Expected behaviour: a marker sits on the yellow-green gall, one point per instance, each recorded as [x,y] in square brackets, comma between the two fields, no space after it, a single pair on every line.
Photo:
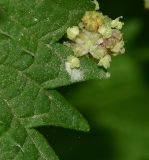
[73,61]
[92,20]
[98,52]
[96,5]
[97,36]
[72,32]
[105,61]
[117,23]
[119,47]
[80,50]
[105,31]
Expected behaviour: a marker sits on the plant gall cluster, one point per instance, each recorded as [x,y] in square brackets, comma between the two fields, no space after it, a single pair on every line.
[97,36]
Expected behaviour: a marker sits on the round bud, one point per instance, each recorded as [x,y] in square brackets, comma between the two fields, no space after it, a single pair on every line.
[73,32]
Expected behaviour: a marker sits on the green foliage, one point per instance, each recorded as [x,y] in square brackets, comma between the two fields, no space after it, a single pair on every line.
[31,62]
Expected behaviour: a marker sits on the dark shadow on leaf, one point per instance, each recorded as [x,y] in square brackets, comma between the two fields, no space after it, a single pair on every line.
[63,39]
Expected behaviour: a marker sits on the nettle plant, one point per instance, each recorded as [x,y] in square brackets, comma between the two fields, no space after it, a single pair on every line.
[45,44]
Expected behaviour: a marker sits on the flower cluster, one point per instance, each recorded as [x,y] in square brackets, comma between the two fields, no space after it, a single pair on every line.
[98,36]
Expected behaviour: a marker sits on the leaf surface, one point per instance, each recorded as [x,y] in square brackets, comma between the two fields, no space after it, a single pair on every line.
[32,61]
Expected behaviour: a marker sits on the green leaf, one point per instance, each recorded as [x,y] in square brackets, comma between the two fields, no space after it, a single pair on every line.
[32,61]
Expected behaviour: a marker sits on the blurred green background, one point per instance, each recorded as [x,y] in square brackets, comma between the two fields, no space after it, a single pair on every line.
[117,109]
